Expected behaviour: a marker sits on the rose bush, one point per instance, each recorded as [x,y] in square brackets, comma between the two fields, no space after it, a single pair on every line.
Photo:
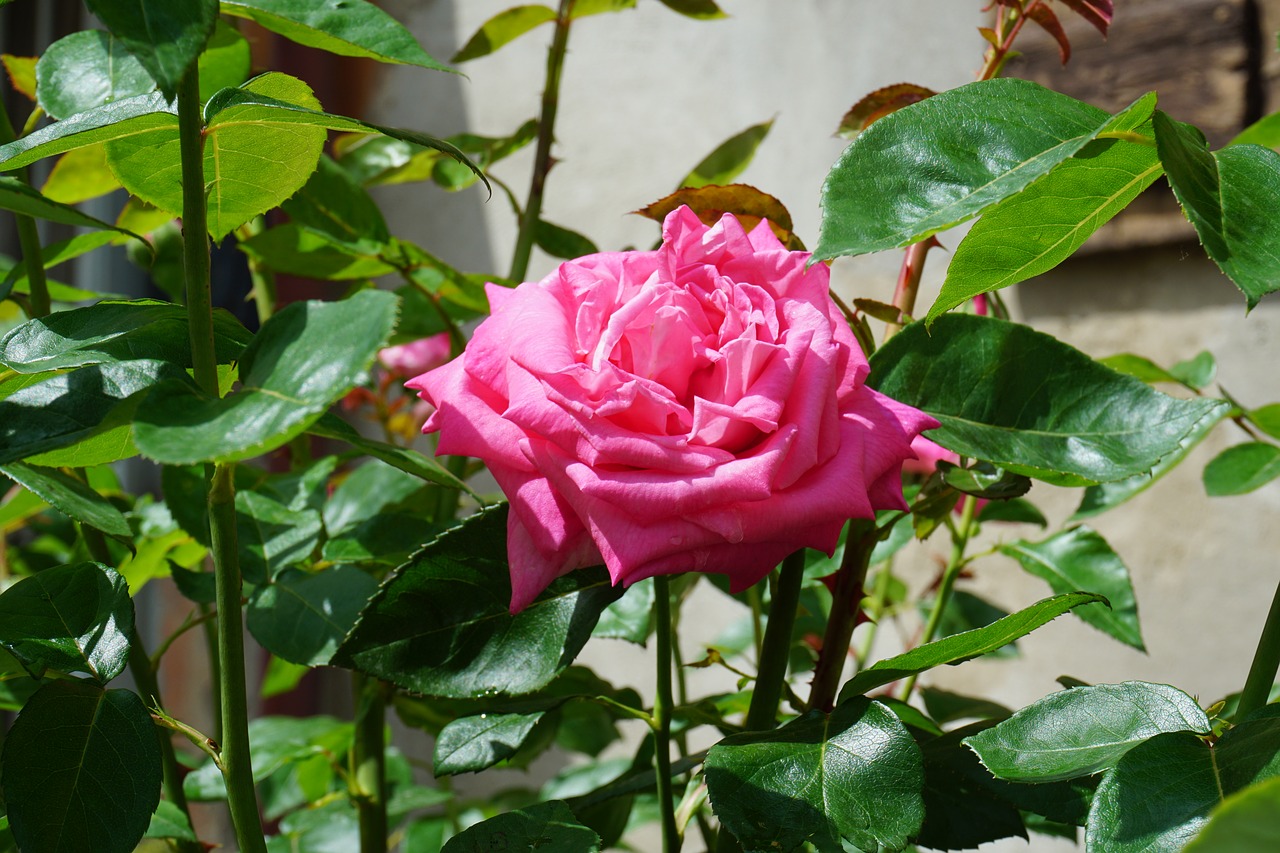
[700,407]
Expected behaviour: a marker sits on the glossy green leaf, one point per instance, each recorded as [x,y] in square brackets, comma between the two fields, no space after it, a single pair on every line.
[293,249]
[1248,821]
[1084,730]
[942,160]
[1080,559]
[962,647]
[542,826]
[70,496]
[404,458]
[629,618]
[1229,196]
[1104,496]
[365,493]
[81,770]
[303,358]
[344,27]
[700,9]
[1241,469]
[560,242]
[1031,404]
[303,616]
[115,332]
[166,38]
[375,160]
[17,197]
[122,119]
[502,28]
[270,537]
[442,626]
[79,175]
[729,158]
[69,619]
[1067,205]
[1162,792]
[72,407]
[88,69]
[854,774]
[469,744]
[251,162]
[333,203]
[226,60]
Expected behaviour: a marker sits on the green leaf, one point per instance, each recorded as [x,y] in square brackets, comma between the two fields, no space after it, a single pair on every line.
[270,537]
[1015,510]
[442,626]
[1267,419]
[303,358]
[333,203]
[583,8]
[1265,132]
[1104,496]
[502,28]
[166,38]
[385,541]
[962,647]
[1229,196]
[854,774]
[947,707]
[942,160]
[71,407]
[115,332]
[1241,469]
[366,493]
[729,158]
[20,198]
[251,163]
[984,480]
[293,249]
[79,175]
[81,770]
[1162,792]
[142,114]
[16,277]
[1084,730]
[69,619]
[469,744]
[344,27]
[967,612]
[629,618]
[404,458]
[560,242]
[1248,821]
[1029,403]
[376,160]
[1197,372]
[276,743]
[961,808]
[71,497]
[1067,205]
[88,69]
[226,60]
[542,826]
[303,616]
[700,9]
[169,821]
[1080,559]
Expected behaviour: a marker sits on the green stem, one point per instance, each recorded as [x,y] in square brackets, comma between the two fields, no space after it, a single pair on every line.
[1266,662]
[662,715]
[880,598]
[845,604]
[144,677]
[546,135]
[368,780]
[236,765]
[757,621]
[762,714]
[195,234]
[959,541]
[28,237]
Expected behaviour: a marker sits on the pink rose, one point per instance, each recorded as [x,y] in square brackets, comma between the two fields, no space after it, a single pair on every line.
[928,454]
[695,408]
[416,357]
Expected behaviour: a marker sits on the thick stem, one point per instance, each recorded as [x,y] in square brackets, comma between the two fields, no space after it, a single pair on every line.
[28,238]
[662,714]
[144,677]
[546,135]
[845,604]
[959,542]
[236,765]
[762,714]
[369,762]
[195,234]
[1266,662]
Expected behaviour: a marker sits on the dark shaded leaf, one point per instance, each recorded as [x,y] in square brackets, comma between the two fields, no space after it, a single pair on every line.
[166,38]
[303,616]
[470,744]
[270,537]
[542,826]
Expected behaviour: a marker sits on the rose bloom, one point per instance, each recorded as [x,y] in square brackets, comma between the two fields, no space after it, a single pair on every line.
[416,357]
[700,407]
